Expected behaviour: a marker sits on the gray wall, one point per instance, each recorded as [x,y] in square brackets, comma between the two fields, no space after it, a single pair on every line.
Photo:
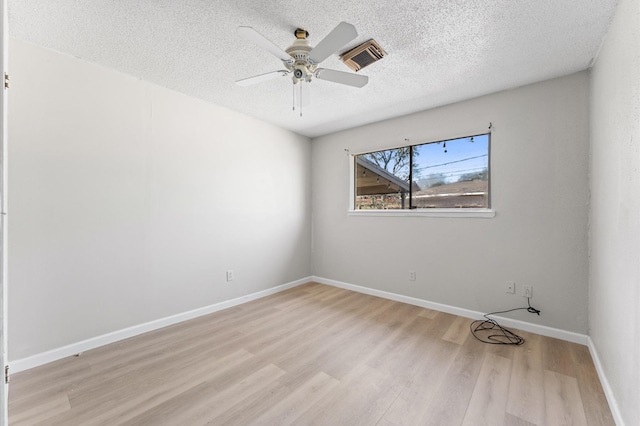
[614,308]
[128,202]
[539,158]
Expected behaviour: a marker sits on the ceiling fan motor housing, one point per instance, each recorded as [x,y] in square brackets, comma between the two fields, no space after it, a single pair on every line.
[302,69]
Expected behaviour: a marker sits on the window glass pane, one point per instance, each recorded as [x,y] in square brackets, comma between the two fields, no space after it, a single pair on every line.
[382,179]
[451,174]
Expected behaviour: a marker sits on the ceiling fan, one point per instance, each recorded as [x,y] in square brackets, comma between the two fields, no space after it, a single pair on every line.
[301,61]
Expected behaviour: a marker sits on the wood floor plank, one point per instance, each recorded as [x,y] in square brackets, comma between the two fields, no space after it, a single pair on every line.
[330,346]
[315,354]
[557,357]
[139,393]
[128,395]
[505,351]
[413,402]
[60,376]
[489,399]
[451,399]
[407,346]
[593,397]
[526,387]
[33,412]
[361,399]
[204,402]
[511,420]
[252,406]
[563,403]
[195,355]
[299,400]
[458,331]
[428,313]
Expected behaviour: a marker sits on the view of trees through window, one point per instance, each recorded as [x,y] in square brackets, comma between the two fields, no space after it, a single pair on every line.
[444,174]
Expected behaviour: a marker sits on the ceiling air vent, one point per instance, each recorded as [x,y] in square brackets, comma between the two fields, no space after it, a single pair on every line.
[363,55]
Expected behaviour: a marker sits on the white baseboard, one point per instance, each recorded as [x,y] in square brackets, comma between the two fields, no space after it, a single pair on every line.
[105,339]
[606,387]
[508,322]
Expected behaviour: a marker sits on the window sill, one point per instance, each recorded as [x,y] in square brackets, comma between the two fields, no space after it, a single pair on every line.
[478,213]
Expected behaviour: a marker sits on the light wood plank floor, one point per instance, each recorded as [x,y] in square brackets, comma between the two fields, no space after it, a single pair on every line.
[321,355]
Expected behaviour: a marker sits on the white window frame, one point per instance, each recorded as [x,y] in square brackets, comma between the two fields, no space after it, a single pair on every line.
[432,212]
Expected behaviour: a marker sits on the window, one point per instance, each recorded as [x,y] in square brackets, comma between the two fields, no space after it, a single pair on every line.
[448,174]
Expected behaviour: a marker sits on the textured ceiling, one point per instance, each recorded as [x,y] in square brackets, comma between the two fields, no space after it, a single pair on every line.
[439,51]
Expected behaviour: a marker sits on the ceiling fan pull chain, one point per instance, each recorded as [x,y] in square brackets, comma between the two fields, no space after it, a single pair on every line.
[293,100]
[300,99]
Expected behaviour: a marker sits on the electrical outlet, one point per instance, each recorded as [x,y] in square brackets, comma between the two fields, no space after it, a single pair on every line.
[412,275]
[230,275]
[510,287]
[527,291]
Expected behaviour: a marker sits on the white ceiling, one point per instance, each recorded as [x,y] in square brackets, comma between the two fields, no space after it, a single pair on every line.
[439,51]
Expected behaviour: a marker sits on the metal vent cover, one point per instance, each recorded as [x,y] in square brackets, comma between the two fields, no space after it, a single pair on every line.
[363,55]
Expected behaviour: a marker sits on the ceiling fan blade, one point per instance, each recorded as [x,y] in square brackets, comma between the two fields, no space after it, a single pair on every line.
[350,79]
[338,37]
[262,77]
[252,35]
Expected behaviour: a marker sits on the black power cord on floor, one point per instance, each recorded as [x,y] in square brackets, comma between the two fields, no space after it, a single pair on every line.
[494,333]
